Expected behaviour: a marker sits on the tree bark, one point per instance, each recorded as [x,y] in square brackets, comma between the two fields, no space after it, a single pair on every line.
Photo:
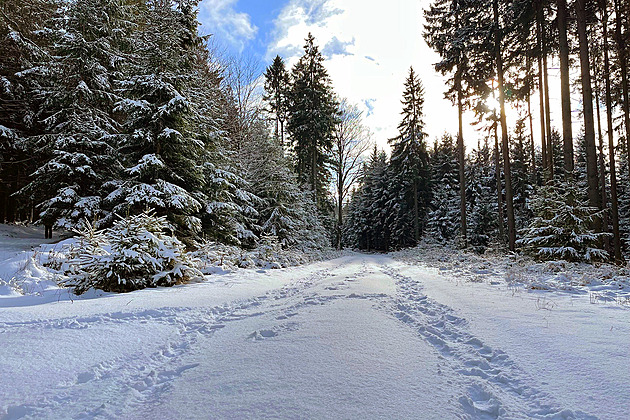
[314,174]
[461,158]
[339,214]
[416,222]
[509,199]
[614,204]
[529,115]
[567,132]
[550,168]
[587,100]
[602,173]
[622,54]
[541,95]
[497,166]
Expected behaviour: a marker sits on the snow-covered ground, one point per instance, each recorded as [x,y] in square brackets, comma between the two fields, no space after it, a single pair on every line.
[361,336]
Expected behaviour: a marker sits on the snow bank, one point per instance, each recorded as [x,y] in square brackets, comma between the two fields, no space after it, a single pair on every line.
[32,266]
[603,282]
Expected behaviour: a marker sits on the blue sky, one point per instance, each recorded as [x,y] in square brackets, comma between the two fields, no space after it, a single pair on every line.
[369,46]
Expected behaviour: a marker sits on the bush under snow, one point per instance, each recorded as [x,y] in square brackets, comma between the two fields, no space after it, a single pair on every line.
[134,253]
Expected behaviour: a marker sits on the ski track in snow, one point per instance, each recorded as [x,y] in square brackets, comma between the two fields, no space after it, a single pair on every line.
[496,387]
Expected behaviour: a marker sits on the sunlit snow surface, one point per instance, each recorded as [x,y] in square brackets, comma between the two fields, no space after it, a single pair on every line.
[363,336]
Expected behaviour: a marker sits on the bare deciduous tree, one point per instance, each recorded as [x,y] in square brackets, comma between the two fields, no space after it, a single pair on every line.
[351,140]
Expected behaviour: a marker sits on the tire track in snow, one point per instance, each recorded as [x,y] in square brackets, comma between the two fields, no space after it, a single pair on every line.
[498,387]
[134,380]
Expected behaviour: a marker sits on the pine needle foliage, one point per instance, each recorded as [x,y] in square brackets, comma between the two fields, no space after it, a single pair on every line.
[561,227]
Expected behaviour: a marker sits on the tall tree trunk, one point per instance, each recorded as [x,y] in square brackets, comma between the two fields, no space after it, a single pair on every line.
[529,115]
[602,172]
[497,167]
[509,198]
[567,133]
[550,168]
[623,63]
[541,94]
[340,182]
[587,100]
[339,215]
[461,158]
[416,221]
[614,204]
[314,174]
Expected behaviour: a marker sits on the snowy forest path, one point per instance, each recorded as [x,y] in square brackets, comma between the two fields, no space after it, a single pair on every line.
[354,337]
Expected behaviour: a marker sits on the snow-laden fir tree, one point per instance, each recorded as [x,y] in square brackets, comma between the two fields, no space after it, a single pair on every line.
[135,253]
[409,163]
[23,44]
[77,83]
[313,114]
[444,217]
[172,145]
[562,226]
[521,176]
[283,209]
[481,197]
[369,217]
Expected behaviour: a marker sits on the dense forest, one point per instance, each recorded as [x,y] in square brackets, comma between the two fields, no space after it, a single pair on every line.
[567,199]
[113,107]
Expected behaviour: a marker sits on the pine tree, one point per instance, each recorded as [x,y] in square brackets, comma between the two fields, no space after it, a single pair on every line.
[480,196]
[455,31]
[23,43]
[135,253]
[276,91]
[443,219]
[409,161]
[172,127]
[313,113]
[371,211]
[587,96]
[561,227]
[78,85]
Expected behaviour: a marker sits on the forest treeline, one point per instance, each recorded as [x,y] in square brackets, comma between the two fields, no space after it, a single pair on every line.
[113,107]
[567,198]
[110,107]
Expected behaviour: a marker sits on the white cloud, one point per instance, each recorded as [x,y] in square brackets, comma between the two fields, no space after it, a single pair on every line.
[219,17]
[370,47]
[374,45]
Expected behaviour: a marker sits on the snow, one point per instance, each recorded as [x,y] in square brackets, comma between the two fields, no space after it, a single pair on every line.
[360,336]
[20,270]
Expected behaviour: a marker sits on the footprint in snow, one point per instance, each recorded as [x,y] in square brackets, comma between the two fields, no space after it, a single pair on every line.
[262,334]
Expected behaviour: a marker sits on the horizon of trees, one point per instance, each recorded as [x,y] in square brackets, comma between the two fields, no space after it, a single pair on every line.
[120,106]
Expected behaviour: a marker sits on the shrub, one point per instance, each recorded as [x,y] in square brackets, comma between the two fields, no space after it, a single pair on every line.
[134,253]
[561,228]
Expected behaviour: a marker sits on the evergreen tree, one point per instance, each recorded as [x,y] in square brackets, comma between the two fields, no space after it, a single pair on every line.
[173,141]
[561,227]
[480,196]
[276,91]
[409,162]
[313,113]
[78,86]
[443,219]
[23,44]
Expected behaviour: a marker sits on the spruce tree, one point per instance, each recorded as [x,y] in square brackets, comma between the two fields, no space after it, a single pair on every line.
[313,113]
[172,127]
[78,85]
[409,160]
[276,91]
[443,219]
